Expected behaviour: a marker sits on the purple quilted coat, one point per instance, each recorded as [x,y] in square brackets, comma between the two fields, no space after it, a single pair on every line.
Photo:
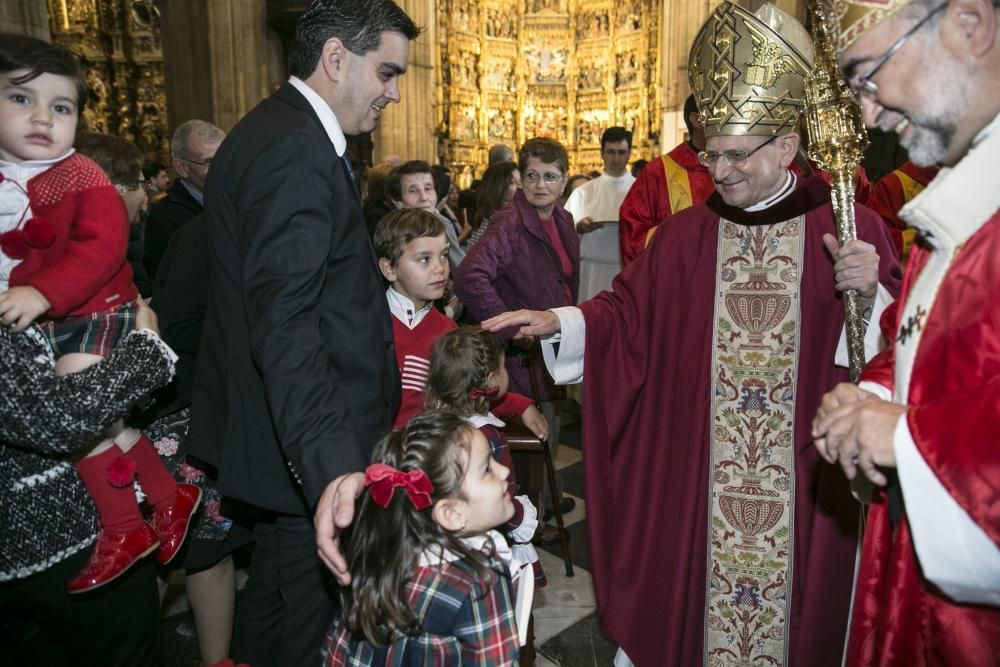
[514,266]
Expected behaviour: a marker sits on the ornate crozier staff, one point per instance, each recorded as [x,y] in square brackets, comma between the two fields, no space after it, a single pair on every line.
[837,141]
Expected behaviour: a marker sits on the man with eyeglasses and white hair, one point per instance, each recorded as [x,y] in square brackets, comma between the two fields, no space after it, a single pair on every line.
[922,424]
[191,151]
[718,535]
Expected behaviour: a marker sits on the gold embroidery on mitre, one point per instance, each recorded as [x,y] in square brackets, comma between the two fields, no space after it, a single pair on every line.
[747,71]
[769,61]
[856,17]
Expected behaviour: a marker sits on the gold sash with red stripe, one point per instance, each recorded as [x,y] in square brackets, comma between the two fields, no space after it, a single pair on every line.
[911,188]
[678,184]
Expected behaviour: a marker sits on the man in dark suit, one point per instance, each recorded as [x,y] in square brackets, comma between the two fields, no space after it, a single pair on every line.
[191,148]
[297,379]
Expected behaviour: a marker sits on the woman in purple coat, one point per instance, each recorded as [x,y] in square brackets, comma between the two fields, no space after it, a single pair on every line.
[529,257]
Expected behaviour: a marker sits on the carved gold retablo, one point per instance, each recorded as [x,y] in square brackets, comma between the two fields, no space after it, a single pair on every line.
[747,69]
[858,16]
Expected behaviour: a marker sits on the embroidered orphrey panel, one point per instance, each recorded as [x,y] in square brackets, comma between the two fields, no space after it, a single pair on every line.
[752,471]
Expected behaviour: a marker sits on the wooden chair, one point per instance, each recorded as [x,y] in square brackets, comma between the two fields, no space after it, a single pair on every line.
[522,440]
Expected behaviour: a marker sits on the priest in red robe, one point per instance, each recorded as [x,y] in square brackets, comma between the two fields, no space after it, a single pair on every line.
[923,424]
[666,186]
[891,193]
[718,535]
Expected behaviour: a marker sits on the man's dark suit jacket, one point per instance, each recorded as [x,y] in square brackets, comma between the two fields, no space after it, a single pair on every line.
[166,217]
[296,378]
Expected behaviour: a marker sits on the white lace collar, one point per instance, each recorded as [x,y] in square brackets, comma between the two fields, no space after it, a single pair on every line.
[436,556]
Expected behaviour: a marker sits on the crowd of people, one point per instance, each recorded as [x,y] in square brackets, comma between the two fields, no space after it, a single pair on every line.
[325,379]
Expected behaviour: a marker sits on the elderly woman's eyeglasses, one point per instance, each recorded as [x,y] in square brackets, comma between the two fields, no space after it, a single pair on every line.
[734,158]
[862,85]
[549,177]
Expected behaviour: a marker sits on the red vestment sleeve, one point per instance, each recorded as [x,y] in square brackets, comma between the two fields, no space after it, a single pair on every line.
[957,437]
[954,392]
[646,205]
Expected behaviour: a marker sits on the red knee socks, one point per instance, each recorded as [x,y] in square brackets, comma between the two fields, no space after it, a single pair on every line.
[116,505]
[156,482]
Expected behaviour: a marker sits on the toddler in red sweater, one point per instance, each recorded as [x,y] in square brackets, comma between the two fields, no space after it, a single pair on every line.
[63,238]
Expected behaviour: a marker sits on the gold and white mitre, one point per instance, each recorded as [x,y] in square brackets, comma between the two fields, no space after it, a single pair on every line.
[747,71]
[856,17]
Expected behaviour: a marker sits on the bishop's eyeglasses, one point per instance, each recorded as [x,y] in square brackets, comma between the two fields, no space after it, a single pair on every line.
[734,158]
[862,85]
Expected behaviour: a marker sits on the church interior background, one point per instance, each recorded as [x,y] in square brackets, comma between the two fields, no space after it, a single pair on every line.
[483,72]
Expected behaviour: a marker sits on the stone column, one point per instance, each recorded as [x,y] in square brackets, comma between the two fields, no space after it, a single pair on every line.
[407,129]
[26,17]
[681,21]
[216,59]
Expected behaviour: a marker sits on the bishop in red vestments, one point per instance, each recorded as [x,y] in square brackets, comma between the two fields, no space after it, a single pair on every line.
[923,423]
[718,536]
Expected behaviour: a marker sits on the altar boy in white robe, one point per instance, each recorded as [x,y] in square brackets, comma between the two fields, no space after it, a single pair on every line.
[595,204]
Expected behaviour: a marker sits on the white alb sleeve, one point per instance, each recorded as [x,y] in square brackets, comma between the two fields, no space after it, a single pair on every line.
[874,341]
[567,366]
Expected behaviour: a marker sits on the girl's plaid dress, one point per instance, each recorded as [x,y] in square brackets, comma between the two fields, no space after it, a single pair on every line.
[464,621]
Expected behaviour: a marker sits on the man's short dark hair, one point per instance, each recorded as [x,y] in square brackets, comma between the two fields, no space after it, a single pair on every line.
[359,24]
[19,52]
[547,150]
[690,107]
[154,167]
[401,226]
[395,185]
[613,135]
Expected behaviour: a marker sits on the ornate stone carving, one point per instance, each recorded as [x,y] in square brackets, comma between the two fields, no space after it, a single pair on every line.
[119,44]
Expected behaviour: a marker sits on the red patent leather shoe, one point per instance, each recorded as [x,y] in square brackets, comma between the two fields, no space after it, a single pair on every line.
[171,521]
[112,556]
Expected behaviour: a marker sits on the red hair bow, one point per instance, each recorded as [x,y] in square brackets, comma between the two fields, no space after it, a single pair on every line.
[382,481]
[488,392]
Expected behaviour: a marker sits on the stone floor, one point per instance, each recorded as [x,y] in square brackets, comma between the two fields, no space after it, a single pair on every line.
[566,628]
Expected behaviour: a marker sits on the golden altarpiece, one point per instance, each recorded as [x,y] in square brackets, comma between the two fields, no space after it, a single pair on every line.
[564,69]
[490,71]
[119,43]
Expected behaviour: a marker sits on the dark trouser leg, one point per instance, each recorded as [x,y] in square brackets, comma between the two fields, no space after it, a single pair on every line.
[287,605]
[256,635]
[308,590]
[42,624]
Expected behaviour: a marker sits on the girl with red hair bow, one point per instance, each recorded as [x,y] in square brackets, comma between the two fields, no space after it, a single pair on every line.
[429,578]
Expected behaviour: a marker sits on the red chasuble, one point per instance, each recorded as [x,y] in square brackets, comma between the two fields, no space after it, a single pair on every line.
[650,396]
[900,619]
